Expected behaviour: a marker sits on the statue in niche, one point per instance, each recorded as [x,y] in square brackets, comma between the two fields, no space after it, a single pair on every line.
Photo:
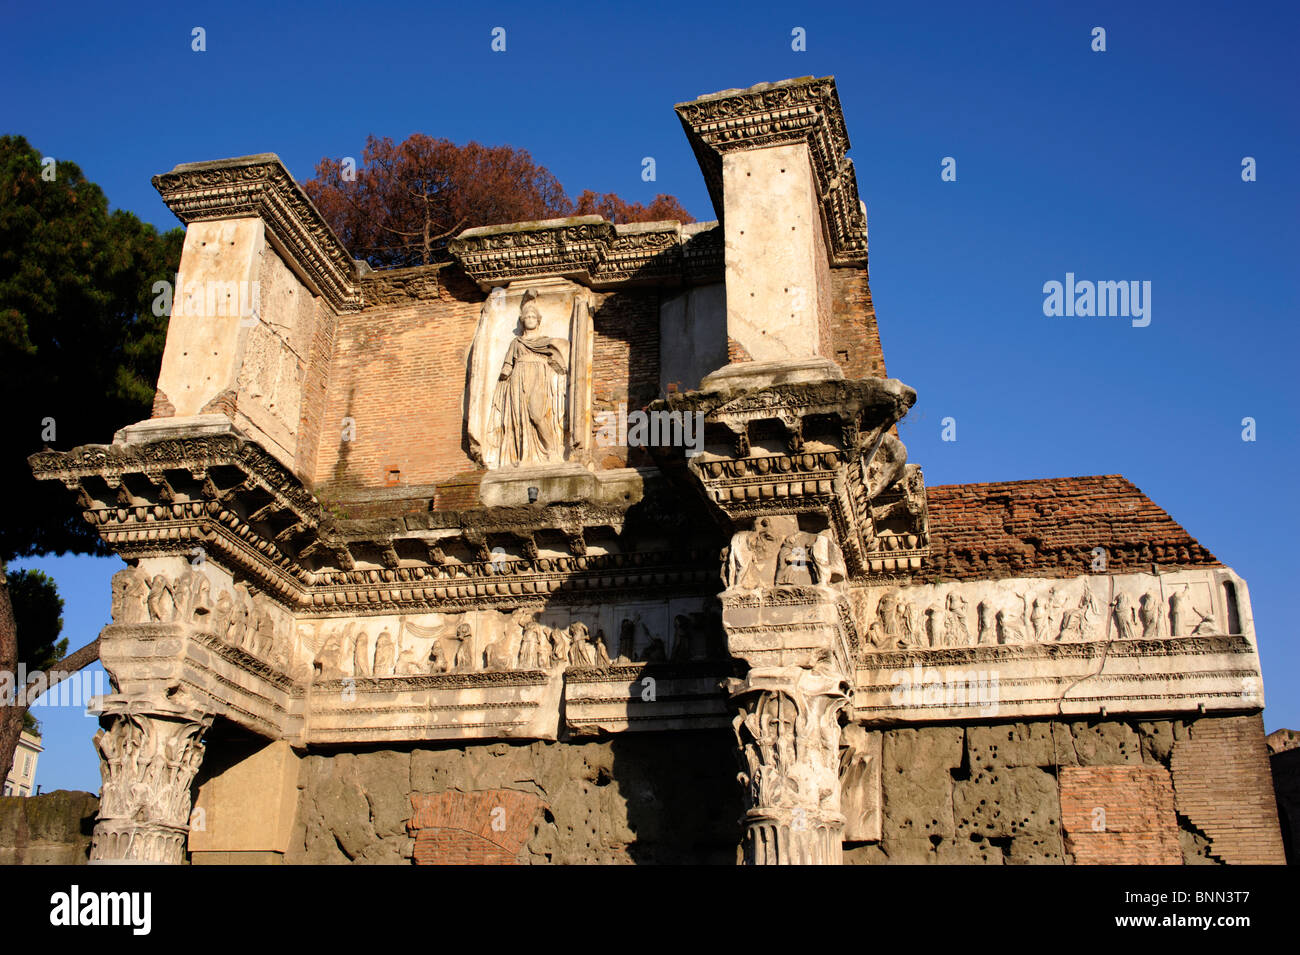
[1149,614]
[385,653]
[161,600]
[526,426]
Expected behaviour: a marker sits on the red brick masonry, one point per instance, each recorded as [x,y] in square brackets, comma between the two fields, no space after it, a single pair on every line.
[486,827]
[1049,528]
[1119,815]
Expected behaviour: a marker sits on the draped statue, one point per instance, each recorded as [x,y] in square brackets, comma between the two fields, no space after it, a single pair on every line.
[528,394]
[526,422]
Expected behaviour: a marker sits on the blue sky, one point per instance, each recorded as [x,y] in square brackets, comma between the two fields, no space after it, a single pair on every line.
[1122,165]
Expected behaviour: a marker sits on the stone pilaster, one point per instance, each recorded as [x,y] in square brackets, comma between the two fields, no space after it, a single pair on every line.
[148,759]
[785,616]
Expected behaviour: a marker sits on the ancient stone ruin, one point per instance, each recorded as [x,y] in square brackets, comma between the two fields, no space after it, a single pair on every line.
[598,543]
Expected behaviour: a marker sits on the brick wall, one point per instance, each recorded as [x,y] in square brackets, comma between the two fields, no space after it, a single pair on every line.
[486,827]
[315,391]
[1050,527]
[1223,786]
[1120,815]
[399,372]
[855,337]
[625,362]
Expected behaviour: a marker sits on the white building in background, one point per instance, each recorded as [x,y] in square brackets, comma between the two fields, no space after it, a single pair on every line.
[21,780]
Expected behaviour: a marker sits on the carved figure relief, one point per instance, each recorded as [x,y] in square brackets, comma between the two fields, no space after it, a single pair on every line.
[776,553]
[1028,611]
[1151,615]
[236,617]
[361,655]
[385,654]
[130,596]
[955,631]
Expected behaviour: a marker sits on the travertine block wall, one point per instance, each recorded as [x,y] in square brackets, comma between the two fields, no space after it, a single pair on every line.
[994,793]
[205,333]
[646,798]
[1002,793]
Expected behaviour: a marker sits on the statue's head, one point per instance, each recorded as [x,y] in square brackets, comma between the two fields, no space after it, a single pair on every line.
[530,316]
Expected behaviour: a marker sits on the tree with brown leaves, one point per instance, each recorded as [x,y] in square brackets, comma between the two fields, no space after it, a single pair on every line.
[406,200]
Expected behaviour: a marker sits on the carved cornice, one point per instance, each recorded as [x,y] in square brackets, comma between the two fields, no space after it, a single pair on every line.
[260,186]
[805,110]
[226,497]
[842,462]
[591,251]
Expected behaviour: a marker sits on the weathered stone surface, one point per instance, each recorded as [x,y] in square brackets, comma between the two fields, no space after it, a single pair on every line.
[1106,744]
[1157,739]
[645,798]
[930,746]
[1018,744]
[49,829]
[1003,802]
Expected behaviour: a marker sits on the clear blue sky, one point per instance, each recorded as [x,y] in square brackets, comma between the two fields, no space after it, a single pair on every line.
[1117,165]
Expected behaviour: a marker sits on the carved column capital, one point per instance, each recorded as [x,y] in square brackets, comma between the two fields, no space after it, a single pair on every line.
[788,730]
[149,754]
